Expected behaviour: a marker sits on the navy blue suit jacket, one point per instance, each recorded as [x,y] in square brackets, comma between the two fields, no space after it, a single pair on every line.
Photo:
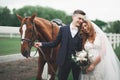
[62,38]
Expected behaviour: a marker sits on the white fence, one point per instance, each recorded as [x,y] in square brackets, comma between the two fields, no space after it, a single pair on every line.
[114,39]
[11,32]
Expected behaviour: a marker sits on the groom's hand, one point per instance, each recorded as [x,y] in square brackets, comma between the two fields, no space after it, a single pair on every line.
[37,44]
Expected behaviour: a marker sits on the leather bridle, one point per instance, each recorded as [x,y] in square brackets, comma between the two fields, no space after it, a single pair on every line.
[34,34]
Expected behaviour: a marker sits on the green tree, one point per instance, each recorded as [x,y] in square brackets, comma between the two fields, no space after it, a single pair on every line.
[43,12]
[113,27]
[100,23]
[5,16]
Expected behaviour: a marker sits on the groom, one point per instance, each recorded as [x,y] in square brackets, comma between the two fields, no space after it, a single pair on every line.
[70,41]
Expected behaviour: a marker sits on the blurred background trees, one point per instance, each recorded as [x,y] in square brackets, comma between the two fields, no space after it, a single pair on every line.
[8,17]
[113,27]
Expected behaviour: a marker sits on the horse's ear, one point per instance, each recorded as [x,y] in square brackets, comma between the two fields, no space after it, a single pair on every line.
[19,17]
[32,17]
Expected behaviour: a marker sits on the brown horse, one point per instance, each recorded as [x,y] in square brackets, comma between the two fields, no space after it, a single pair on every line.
[34,28]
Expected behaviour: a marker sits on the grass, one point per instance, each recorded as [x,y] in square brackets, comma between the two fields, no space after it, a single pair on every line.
[9,46]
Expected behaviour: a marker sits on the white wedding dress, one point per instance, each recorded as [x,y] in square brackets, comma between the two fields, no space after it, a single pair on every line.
[109,66]
[94,49]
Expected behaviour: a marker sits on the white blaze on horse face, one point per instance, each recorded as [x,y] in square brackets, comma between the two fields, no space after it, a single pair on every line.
[23,34]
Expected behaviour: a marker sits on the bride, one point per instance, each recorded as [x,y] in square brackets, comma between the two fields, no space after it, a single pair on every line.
[104,63]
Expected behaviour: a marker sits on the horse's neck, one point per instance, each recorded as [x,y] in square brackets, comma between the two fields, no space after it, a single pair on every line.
[46,30]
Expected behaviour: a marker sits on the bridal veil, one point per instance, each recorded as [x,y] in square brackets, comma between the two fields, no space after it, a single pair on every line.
[108,57]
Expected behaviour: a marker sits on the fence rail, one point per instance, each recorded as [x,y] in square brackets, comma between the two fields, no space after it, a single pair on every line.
[10,35]
[9,31]
[114,39]
[13,32]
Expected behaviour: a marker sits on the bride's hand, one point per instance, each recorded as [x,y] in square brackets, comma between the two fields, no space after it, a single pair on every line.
[90,68]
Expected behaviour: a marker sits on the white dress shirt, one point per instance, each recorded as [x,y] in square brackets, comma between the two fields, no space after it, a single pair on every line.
[73,30]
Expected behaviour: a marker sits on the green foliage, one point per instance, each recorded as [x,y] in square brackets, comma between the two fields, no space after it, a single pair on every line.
[117,51]
[9,18]
[46,12]
[4,16]
[100,23]
[113,27]
[43,12]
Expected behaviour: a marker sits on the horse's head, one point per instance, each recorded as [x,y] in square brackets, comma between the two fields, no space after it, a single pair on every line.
[28,34]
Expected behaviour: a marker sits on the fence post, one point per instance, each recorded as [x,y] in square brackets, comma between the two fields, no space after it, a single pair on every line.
[118,39]
[11,35]
[114,39]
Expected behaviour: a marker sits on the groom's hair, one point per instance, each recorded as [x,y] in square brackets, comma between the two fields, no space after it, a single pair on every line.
[79,12]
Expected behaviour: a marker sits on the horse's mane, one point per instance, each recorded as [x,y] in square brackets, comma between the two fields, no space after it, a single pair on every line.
[46,28]
[44,22]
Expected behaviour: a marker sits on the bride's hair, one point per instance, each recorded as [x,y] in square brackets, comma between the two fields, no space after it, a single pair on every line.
[91,33]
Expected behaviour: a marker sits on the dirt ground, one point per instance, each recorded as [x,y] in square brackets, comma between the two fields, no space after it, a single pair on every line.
[18,70]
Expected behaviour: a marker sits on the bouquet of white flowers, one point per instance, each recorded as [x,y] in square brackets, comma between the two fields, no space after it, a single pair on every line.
[82,59]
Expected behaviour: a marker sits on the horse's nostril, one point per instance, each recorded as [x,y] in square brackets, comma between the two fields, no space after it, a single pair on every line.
[25,54]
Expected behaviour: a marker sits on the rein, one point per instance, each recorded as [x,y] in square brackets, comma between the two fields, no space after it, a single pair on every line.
[46,59]
[43,54]
[52,40]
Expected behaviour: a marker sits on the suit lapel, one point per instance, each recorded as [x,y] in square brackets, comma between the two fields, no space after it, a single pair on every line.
[67,30]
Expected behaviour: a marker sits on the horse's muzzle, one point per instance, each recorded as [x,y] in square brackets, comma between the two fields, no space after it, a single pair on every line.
[26,54]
